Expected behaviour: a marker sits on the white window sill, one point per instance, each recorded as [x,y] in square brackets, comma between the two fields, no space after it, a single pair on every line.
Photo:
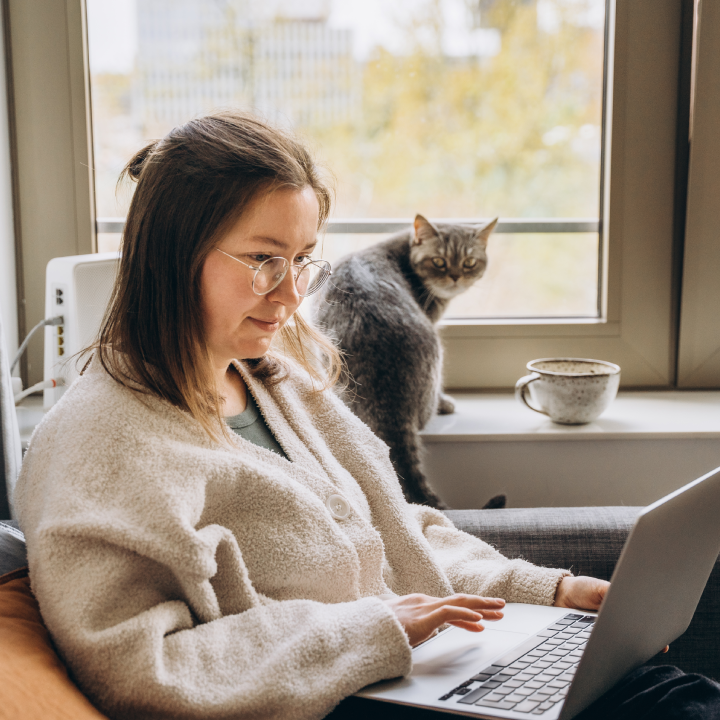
[644,446]
[655,442]
[633,416]
[498,417]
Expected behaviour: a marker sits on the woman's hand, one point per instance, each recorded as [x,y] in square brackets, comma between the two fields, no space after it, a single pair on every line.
[421,615]
[583,593]
[580,593]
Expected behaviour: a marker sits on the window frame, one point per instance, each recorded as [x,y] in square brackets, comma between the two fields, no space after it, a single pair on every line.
[48,92]
[699,332]
[636,328]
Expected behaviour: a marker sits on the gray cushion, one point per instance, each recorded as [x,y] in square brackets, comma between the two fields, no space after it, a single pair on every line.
[585,540]
[12,547]
[588,541]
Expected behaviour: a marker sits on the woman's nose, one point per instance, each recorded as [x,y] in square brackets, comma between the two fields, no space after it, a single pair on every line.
[286,292]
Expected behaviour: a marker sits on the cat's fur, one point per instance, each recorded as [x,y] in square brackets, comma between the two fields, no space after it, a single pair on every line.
[381,305]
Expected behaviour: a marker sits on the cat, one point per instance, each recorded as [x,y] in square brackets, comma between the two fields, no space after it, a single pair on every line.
[381,307]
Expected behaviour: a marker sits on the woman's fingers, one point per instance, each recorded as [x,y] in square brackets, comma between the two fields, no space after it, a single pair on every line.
[470,627]
[452,614]
[422,615]
[474,602]
[456,607]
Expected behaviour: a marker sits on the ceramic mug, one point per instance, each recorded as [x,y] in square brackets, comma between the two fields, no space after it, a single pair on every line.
[571,391]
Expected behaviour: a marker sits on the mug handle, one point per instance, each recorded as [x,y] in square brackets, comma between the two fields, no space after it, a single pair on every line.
[521,387]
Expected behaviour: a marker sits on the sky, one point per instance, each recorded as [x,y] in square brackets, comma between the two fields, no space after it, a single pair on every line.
[112,35]
[113,32]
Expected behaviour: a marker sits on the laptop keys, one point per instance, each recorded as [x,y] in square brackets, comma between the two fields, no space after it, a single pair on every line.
[533,677]
[498,705]
[547,633]
[526,706]
[473,697]
[487,673]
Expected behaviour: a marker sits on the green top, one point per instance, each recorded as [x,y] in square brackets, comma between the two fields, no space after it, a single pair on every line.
[251,425]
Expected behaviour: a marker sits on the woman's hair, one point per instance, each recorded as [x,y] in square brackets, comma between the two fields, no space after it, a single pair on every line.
[192,186]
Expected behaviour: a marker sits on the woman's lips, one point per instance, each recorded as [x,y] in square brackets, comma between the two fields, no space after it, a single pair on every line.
[267,325]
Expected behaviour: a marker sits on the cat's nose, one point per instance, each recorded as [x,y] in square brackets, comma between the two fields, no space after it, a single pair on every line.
[455,276]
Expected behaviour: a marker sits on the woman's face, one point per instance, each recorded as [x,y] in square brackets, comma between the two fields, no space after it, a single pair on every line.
[238,323]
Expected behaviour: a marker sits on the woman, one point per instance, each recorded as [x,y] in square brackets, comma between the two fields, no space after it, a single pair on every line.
[194,557]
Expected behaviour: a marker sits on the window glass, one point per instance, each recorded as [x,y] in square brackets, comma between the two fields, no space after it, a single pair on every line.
[449,108]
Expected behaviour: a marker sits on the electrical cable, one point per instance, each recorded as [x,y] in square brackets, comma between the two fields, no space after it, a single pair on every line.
[57,320]
[42,385]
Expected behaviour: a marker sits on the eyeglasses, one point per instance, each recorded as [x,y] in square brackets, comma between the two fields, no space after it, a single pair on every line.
[309,277]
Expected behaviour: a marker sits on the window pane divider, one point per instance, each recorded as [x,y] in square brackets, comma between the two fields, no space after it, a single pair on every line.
[389,225]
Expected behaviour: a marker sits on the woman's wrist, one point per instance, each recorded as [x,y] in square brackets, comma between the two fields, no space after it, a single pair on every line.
[561,590]
[580,593]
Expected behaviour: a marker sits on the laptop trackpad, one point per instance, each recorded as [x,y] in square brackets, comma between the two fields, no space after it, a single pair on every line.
[455,655]
[455,651]
[444,662]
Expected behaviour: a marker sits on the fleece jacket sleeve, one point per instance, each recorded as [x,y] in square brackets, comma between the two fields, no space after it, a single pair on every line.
[152,606]
[125,622]
[474,567]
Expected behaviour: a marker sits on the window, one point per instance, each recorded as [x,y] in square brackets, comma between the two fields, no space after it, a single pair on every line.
[452,108]
[635,323]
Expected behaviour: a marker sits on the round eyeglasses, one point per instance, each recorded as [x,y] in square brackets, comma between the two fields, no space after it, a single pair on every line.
[309,277]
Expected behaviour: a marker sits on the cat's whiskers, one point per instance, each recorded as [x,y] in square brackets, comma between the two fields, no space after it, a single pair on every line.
[430,298]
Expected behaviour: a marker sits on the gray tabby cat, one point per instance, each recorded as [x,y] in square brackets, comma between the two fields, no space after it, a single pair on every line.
[381,305]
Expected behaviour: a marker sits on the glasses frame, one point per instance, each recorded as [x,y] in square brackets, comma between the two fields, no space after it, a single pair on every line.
[286,266]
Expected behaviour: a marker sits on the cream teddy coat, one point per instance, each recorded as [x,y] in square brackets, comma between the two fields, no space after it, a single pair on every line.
[181,578]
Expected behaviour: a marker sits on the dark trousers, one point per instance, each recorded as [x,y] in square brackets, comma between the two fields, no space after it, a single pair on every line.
[658,693]
[648,693]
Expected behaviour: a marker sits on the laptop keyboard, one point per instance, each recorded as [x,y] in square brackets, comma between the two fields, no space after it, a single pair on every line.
[533,677]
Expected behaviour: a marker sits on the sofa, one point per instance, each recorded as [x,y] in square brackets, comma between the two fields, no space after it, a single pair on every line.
[586,540]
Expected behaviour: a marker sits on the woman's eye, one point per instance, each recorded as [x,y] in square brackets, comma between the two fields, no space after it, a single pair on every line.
[259,257]
[470,262]
[439,262]
[302,259]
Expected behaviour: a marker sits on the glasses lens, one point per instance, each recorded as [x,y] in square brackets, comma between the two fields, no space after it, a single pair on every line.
[311,277]
[270,275]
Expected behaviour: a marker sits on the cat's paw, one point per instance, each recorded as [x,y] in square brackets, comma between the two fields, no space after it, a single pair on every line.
[446,405]
[497,502]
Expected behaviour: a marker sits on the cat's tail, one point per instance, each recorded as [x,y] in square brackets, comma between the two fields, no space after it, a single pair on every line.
[406,456]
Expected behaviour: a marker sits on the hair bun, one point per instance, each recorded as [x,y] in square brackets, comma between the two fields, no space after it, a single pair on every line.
[135,167]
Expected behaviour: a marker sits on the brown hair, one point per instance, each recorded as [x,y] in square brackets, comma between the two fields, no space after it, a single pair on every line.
[191,187]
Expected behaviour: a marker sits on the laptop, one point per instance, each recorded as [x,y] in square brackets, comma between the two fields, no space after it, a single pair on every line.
[551,663]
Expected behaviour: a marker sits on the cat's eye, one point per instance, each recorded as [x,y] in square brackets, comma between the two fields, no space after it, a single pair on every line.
[439,262]
[470,263]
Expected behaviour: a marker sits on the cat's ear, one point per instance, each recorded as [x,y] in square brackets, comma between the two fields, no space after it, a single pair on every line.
[424,229]
[483,232]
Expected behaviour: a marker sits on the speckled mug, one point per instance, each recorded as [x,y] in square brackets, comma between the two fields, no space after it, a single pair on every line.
[571,391]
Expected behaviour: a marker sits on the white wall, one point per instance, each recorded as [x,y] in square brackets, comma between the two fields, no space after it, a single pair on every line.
[8,293]
[572,473]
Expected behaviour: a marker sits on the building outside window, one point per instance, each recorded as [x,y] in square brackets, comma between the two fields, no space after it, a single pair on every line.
[456,109]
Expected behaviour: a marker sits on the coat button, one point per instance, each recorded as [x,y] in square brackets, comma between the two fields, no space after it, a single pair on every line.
[338,506]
